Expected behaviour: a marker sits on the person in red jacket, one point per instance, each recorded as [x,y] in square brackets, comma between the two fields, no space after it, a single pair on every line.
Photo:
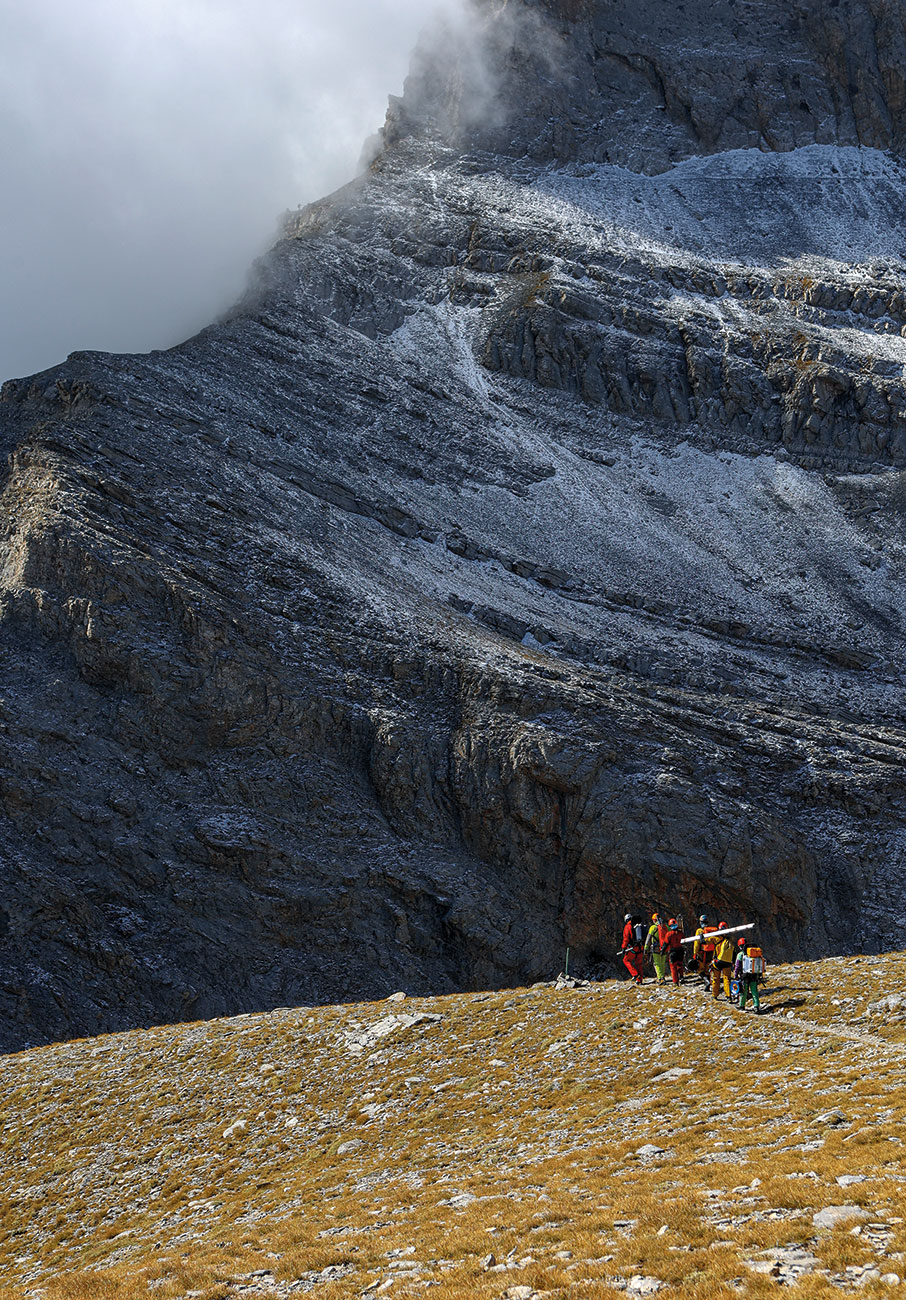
[632,949]
[674,946]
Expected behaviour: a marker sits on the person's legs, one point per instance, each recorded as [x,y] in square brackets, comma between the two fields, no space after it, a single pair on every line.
[720,974]
[660,966]
[743,993]
[753,984]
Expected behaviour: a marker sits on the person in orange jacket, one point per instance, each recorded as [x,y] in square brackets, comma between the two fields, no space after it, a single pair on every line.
[703,948]
[632,950]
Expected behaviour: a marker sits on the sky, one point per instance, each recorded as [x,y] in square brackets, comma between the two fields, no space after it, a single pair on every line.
[149,147]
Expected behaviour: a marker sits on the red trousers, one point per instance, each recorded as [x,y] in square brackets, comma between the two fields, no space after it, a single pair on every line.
[676,970]
[633,963]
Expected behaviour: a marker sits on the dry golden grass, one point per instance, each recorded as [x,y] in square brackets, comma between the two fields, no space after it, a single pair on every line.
[509,1128]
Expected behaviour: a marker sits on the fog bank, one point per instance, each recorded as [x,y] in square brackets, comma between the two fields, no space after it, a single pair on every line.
[149,149]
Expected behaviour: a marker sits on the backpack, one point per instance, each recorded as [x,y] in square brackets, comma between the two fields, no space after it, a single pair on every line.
[638,930]
[753,962]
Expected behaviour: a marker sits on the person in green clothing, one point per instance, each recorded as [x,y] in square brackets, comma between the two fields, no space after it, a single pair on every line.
[654,946]
[748,978]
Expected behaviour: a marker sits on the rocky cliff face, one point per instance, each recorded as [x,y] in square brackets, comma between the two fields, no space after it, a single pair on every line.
[526,545]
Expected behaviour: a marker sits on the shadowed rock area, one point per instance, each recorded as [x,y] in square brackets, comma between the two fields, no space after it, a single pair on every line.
[527,544]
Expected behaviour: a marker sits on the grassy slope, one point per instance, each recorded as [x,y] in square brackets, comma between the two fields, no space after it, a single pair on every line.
[509,1127]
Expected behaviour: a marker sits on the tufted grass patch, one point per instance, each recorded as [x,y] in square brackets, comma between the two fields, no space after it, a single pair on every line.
[504,1145]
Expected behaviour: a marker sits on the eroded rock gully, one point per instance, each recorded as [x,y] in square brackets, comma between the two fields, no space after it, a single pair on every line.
[528,543]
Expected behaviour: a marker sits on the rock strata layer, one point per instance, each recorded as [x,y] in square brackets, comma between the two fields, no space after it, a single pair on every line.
[527,544]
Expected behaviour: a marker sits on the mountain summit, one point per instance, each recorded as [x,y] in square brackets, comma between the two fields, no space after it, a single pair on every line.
[526,545]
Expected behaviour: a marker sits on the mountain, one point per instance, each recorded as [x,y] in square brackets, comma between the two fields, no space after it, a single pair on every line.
[525,546]
[543,1142]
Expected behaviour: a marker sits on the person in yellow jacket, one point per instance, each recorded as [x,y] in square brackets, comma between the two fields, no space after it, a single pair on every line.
[722,965]
[654,946]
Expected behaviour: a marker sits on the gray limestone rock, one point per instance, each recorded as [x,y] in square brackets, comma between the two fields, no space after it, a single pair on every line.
[836,1216]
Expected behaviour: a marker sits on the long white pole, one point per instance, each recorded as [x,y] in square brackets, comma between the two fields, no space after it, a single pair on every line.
[715,934]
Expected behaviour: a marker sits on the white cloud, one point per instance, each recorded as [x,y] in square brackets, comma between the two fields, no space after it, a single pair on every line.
[148,148]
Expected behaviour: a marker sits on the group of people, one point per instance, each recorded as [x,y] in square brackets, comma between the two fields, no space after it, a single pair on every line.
[736,966]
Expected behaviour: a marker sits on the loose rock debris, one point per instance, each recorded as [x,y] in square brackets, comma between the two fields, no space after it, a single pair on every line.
[451,1148]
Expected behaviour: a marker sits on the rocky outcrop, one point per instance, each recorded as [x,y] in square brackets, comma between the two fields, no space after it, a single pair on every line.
[646,86]
[527,544]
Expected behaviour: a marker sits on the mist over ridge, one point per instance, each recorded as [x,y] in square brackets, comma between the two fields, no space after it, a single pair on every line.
[148,152]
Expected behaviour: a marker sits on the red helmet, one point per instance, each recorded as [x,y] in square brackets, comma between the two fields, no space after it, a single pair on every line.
[740,943]
[722,926]
[672,921]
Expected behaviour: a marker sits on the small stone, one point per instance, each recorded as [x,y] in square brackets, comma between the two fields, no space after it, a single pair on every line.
[354,1144]
[266,1069]
[518,1293]
[836,1216]
[236,1129]
[890,1279]
[640,1285]
[793,1259]
[460,1200]
[397,997]
[832,1118]
[663,1230]
[668,1076]
[489,1261]
[649,1151]
[848,1180]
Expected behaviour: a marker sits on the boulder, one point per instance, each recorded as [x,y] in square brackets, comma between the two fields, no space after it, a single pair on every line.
[839,1216]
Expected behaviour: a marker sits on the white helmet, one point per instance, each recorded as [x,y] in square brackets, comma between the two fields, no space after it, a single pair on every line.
[628,916]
